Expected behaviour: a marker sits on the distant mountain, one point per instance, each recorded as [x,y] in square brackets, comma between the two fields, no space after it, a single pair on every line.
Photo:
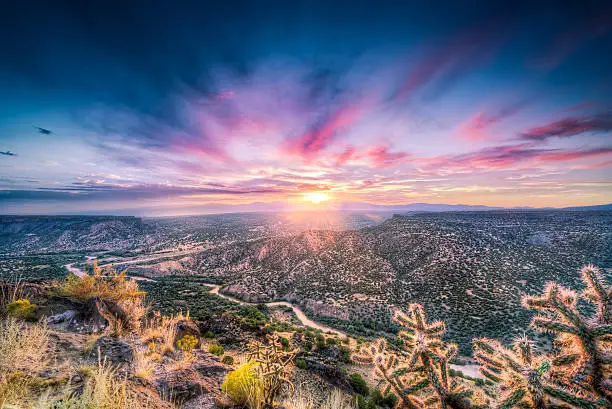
[597,207]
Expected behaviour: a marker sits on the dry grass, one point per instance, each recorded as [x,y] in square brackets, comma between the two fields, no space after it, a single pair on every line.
[103,390]
[9,293]
[338,400]
[301,398]
[144,365]
[108,284]
[23,353]
[162,330]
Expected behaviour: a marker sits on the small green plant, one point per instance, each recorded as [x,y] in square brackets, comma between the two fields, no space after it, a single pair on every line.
[209,335]
[359,384]
[22,309]
[216,350]
[300,363]
[228,360]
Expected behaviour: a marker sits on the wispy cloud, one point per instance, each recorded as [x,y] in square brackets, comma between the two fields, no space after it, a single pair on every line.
[570,126]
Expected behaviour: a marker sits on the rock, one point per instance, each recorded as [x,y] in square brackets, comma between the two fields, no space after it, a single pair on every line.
[113,351]
[187,327]
[206,401]
[61,318]
[202,378]
[330,372]
[184,384]
[210,366]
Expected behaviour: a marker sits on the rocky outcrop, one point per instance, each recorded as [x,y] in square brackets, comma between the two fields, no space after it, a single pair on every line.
[112,351]
[330,372]
[91,316]
[200,381]
[187,327]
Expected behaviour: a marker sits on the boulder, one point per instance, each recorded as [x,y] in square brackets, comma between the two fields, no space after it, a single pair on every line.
[187,327]
[329,372]
[184,384]
[112,351]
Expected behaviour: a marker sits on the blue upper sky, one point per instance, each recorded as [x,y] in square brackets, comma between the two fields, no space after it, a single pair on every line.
[166,107]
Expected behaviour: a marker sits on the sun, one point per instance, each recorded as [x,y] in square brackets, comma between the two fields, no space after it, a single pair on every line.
[316,197]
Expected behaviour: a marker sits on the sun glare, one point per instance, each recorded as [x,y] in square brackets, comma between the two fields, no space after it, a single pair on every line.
[316,197]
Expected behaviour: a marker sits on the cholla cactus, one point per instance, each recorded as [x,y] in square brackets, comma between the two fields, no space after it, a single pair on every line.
[273,367]
[585,342]
[526,379]
[418,375]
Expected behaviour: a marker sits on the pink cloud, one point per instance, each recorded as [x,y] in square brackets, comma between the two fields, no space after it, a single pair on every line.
[478,126]
[504,157]
[348,154]
[381,157]
[570,126]
[318,138]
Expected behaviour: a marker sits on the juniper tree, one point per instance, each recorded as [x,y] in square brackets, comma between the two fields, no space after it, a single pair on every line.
[419,374]
[585,342]
[526,379]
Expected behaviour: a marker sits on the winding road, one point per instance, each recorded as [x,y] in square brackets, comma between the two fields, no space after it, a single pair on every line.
[469,369]
[214,289]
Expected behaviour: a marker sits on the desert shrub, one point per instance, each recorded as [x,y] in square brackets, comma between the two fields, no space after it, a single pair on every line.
[243,386]
[389,401]
[228,360]
[307,346]
[345,354]
[284,342]
[187,343]
[209,334]
[22,309]
[216,350]
[10,292]
[300,363]
[358,384]
[331,341]
[109,285]
[320,341]
[23,352]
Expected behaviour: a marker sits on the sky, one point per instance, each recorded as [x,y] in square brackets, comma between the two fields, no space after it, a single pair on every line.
[182,107]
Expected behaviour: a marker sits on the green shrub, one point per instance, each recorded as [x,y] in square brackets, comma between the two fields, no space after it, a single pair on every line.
[377,396]
[216,349]
[209,334]
[284,342]
[242,385]
[228,360]
[346,354]
[389,401]
[22,309]
[359,384]
[331,341]
[300,363]
[307,346]
[320,341]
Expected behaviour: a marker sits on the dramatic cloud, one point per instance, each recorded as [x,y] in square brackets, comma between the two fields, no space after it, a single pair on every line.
[245,103]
